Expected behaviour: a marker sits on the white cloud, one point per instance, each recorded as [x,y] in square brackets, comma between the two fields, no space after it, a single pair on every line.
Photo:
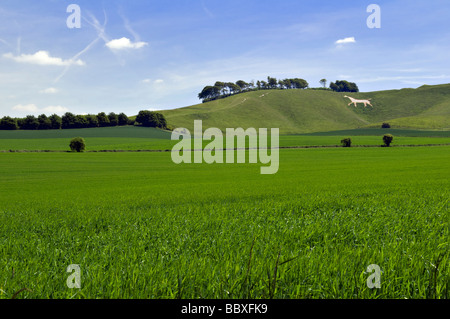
[55,109]
[125,43]
[25,108]
[148,81]
[33,109]
[42,58]
[346,40]
[49,91]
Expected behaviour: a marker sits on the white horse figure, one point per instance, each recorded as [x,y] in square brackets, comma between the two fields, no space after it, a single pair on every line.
[355,101]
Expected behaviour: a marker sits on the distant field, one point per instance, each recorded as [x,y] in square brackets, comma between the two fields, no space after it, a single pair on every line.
[140,226]
[99,132]
[136,138]
[381,132]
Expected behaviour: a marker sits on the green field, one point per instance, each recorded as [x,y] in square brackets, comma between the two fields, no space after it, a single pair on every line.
[137,138]
[140,226]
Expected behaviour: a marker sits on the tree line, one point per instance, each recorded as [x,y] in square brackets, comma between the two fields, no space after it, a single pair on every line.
[72,121]
[224,89]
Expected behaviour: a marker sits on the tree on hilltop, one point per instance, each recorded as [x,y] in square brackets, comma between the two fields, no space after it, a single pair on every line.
[344,86]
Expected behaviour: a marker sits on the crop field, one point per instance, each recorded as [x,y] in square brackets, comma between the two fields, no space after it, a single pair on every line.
[141,226]
[135,138]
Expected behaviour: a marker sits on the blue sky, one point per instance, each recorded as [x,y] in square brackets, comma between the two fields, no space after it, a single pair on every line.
[134,55]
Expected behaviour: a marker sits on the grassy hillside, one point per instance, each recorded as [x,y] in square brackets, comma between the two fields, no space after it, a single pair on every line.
[306,111]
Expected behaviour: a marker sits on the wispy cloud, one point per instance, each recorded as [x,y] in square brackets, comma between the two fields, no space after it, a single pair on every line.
[42,58]
[150,81]
[49,91]
[58,109]
[128,27]
[125,43]
[33,109]
[416,79]
[346,40]
[207,11]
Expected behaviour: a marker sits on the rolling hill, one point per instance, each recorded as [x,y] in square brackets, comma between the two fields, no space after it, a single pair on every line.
[307,111]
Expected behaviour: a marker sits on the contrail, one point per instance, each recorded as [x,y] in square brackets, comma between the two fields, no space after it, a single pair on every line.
[127,26]
[5,43]
[100,35]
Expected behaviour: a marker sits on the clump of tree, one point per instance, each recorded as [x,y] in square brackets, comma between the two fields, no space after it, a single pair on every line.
[385,125]
[387,139]
[224,89]
[28,123]
[8,123]
[344,86]
[77,144]
[151,119]
[346,142]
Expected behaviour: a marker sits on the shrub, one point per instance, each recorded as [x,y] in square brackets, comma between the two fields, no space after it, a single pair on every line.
[346,142]
[387,139]
[77,144]
[386,125]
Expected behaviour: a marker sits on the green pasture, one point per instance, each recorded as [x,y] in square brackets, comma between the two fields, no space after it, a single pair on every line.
[141,226]
[137,138]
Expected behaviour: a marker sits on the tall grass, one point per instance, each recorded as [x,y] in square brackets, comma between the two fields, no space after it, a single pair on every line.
[140,226]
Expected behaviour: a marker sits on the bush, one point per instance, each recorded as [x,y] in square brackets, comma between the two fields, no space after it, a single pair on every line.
[77,144]
[346,142]
[387,139]
[386,125]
